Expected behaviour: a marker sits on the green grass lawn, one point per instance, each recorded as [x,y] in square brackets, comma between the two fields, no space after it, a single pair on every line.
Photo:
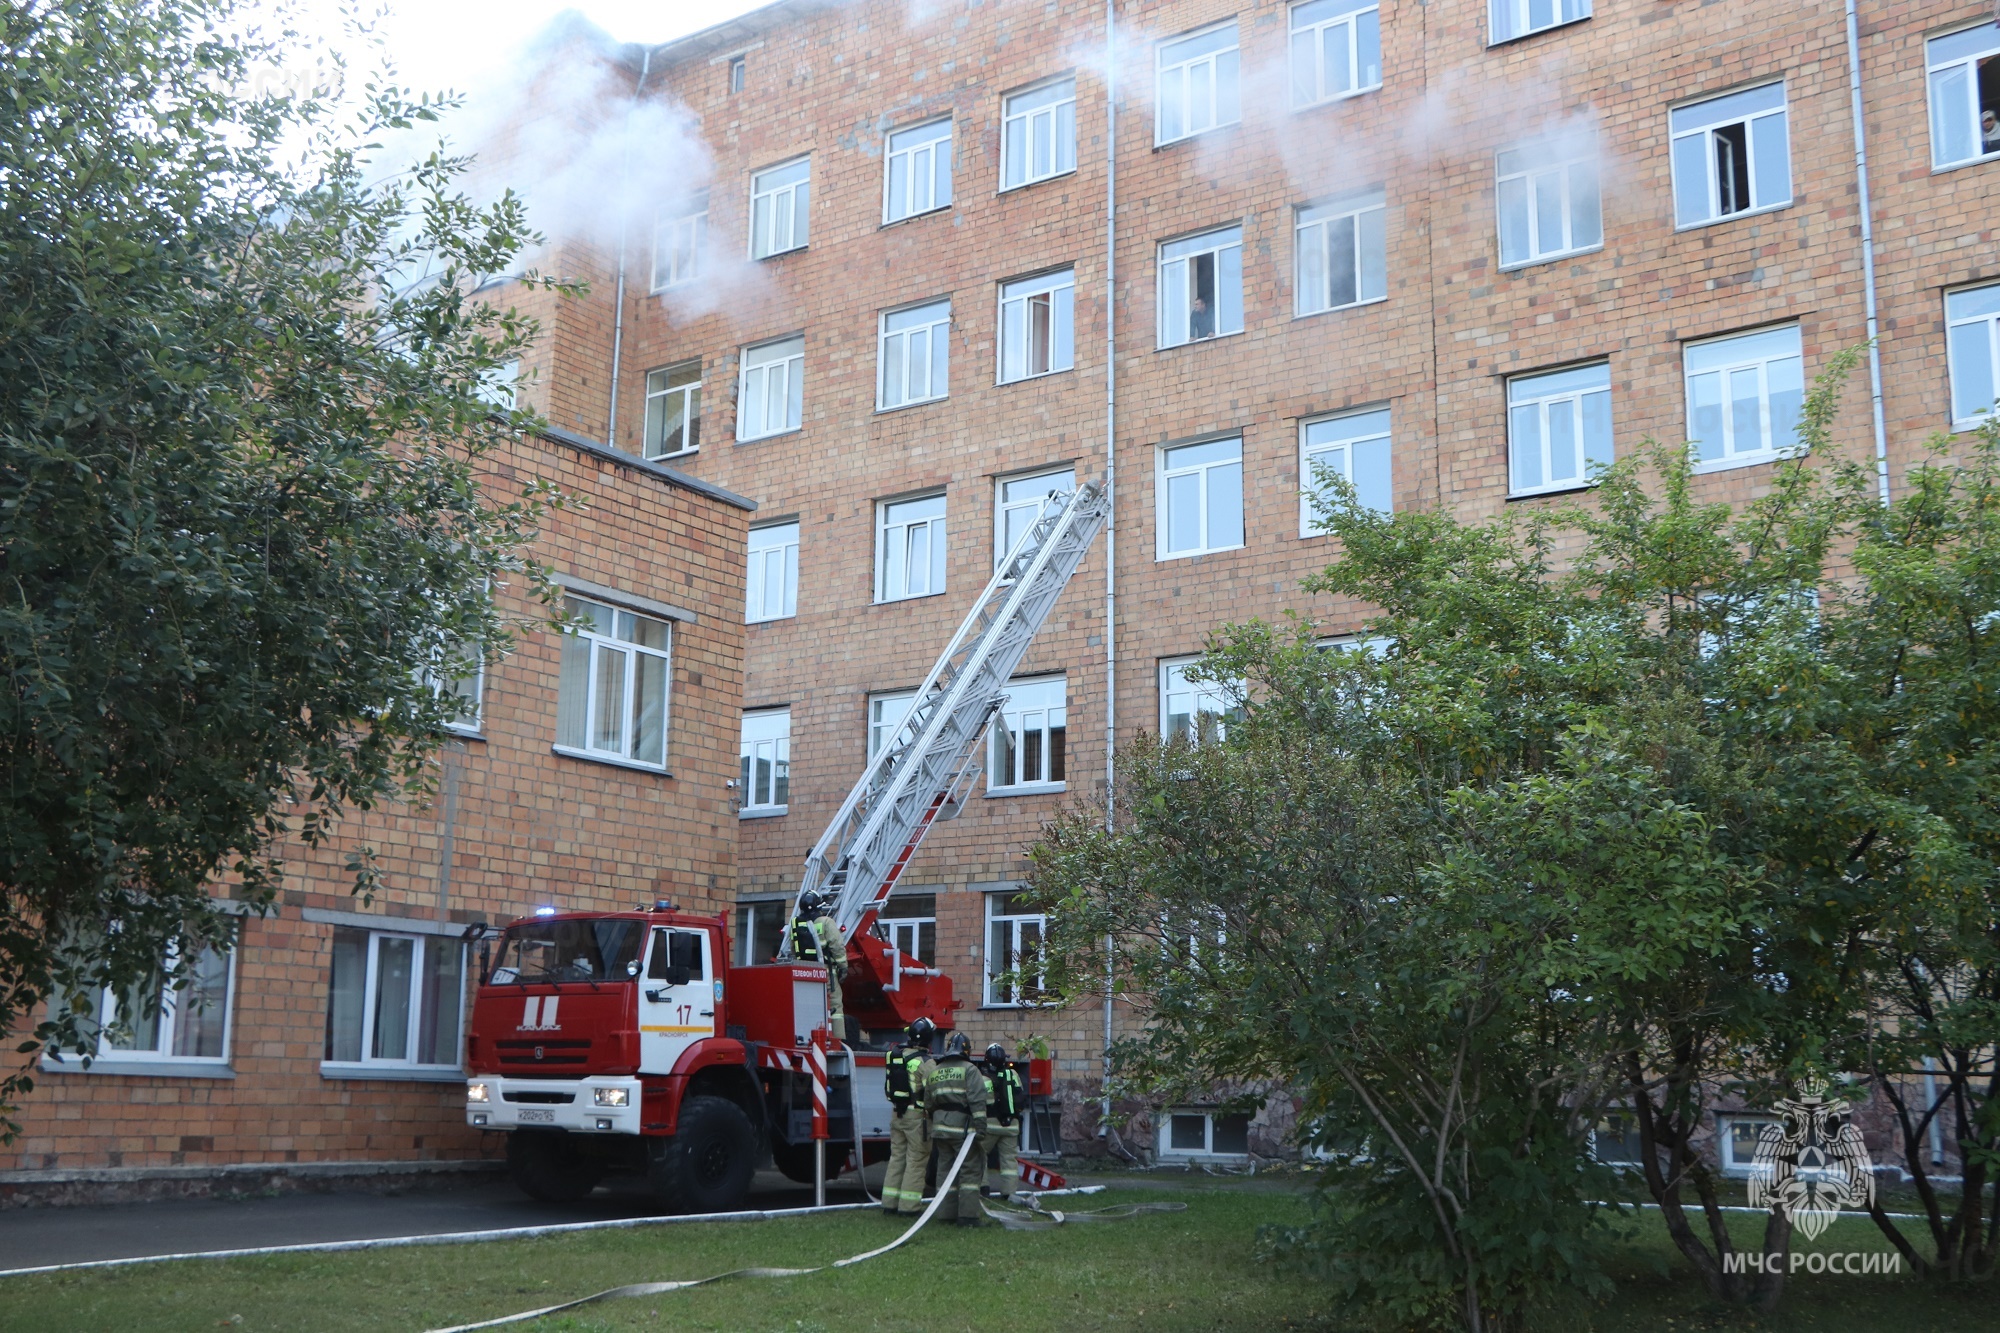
[1190,1270]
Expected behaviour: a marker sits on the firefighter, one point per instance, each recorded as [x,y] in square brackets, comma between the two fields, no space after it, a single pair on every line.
[1003,1120]
[816,939]
[907,1073]
[957,1097]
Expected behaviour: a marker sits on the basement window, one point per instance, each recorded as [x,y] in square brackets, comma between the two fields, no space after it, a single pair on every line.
[1737,1137]
[1189,1133]
[395,1004]
[1965,95]
[1615,1141]
[1731,156]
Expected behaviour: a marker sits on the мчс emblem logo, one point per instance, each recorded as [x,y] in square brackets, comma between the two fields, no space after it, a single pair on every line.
[1811,1163]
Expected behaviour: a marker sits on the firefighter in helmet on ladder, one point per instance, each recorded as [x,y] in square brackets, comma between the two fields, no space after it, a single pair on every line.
[816,939]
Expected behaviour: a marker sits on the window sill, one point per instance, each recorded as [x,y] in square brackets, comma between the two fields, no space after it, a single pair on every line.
[1336,309]
[1212,338]
[1524,36]
[771,620]
[345,1069]
[1027,789]
[674,457]
[1189,555]
[611,760]
[664,288]
[914,597]
[764,812]
[1566,488]
[1336,99]
[1523,265]
[1038,375]
[914,402]
[1963,163]
[164,1068]
[1744,460]
[1020,1004]
[1039,180]
[771,435]
[780,254]
[1734,217]
[1976,423]
[465,733]
[1193,1157]
[1159,144]
[912,217]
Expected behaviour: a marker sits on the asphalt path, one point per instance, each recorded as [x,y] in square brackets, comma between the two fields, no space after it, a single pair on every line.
[33,1237]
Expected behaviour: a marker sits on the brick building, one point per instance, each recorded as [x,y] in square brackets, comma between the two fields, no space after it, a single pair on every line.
[332,1035]
[946,251]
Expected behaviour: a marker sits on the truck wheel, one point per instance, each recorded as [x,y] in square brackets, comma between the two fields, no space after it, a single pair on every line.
[706,1166]
[549,1169]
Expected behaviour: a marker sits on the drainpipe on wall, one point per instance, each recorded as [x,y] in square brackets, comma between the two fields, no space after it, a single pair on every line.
[618,317]
[1111,497]
[1868,248]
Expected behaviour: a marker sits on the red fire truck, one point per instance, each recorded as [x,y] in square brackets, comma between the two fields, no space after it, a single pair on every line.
[630,1043]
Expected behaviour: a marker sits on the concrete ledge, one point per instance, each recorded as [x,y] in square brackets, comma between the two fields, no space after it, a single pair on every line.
[71,1187]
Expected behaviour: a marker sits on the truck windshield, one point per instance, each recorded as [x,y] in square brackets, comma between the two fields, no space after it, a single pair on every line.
[537,952]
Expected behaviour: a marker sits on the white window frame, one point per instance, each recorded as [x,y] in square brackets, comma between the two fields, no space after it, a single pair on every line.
[1216,699]
[1706,131]
[922,343]
[748,914]
[1725,1140]
[926,183]
[500,386]
[470,690]
[1224,102]
[1207,1152]
[772,744]
[1313,237]
[1017,924]
[1523,12]
[889,530]
[678,240]
[1992,322]
[906,933]
[1019,299]
[774,555]
[600,644]
[1032,505]
[373,1066]
[1522,394]
[1014,719]
[888,711]
[1965,62]
[1360,18]
[159,1058]
[1338,452]
[690,404]
[786,208]
[1533,164]
[1053,109]
[1174,273]
[757,371]
[1731,457]
[1166,473]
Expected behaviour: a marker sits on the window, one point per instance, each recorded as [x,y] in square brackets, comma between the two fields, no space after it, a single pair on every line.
[499,386]
[673,410]
[778,200]
[1615,1141]
[188,1027]
[919,175]
[1037,326]
[1038,134]
[915,355]
[394,1001]
[1965,95]
[1972,336]
[1201,287]
[1744,394]
[1013,951]
[909,548]
[1197,84]
[773,585]
[771,391]
[1336,49]
[612,699]
[677,243]
[467,690]
[736,72]
[1187,1132]
[1028,737]
[1518,18]
[1201,498]
[760,931]
[1731,156]
[767,761]
[1342,253]
[909,921]
[1354,446]
[885,719]
[1548,203]
[1020,501]
[1557,426]
[1737,1136]
[1198,710]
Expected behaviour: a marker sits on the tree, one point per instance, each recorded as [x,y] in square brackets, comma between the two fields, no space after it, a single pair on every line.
[240,420]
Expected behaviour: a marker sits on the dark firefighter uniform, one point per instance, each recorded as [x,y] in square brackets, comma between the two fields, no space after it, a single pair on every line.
[1003,1120]
[957,1096]
[908,1076]
[816,939]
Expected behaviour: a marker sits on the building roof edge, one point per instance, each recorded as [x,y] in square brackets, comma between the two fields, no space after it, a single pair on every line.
[721,36]
[672,476]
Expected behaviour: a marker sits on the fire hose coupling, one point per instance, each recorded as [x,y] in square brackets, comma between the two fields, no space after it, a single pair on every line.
[611,1096]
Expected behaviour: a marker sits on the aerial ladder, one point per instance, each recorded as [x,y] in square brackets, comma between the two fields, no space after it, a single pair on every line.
[925,772]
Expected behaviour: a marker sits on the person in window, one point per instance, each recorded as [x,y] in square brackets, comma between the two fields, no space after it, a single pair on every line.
[1201,320]
[1989,132]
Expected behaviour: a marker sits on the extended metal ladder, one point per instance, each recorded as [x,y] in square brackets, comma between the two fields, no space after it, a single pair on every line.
[926,770]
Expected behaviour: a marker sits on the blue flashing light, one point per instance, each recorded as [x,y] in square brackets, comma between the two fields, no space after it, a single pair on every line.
[545,911]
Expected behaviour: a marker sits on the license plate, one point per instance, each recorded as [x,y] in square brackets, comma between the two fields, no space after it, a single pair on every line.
[537,1115]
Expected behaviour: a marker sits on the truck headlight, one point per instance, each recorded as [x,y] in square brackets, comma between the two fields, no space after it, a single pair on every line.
[610,1096]
[476,1092]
